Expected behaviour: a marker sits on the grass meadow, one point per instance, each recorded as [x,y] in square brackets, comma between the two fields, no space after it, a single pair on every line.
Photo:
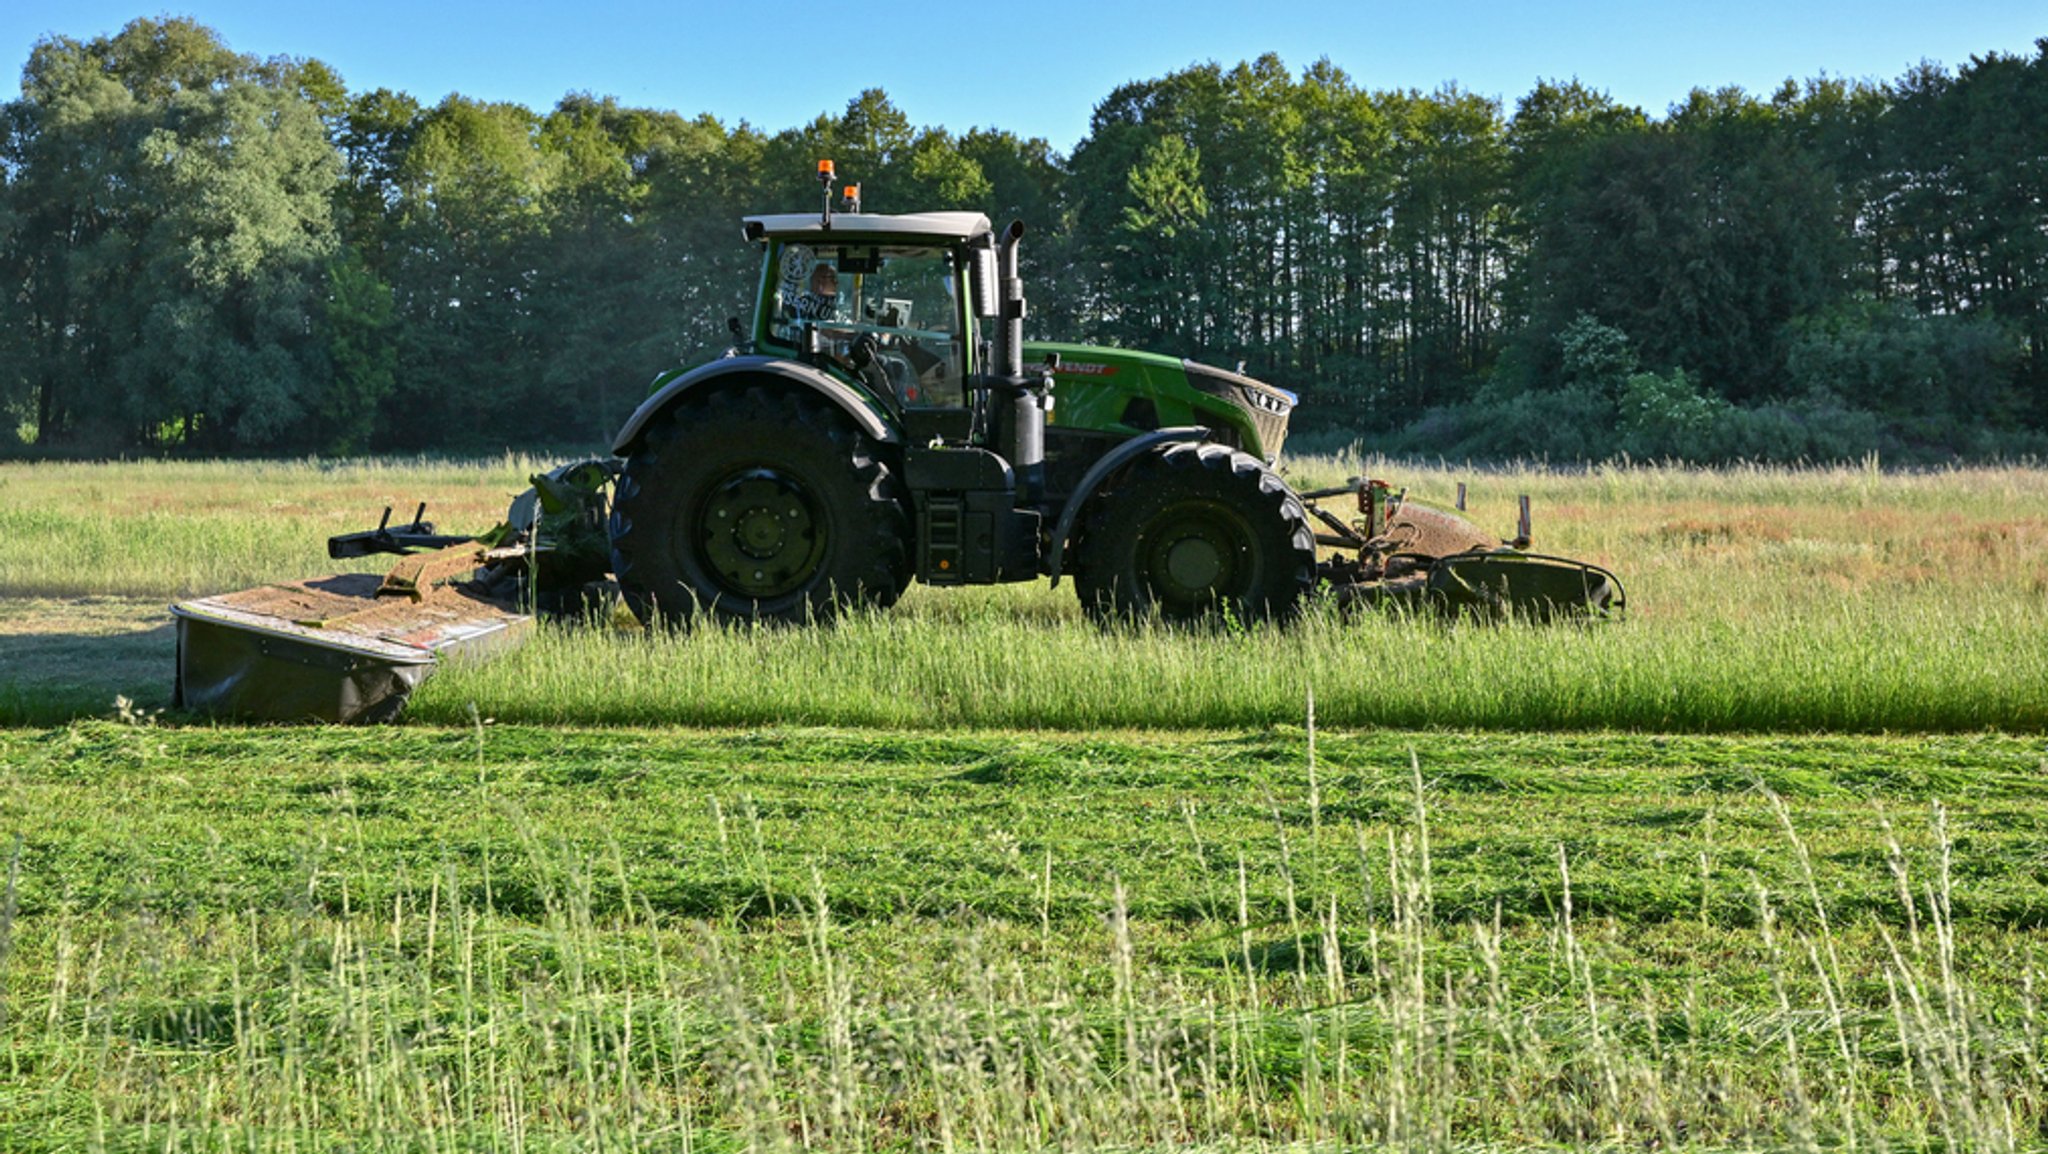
[1761,599]
[1764,866]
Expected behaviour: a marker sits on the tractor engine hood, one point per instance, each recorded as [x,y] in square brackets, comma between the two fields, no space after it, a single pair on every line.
[1268,406]
[1131,392]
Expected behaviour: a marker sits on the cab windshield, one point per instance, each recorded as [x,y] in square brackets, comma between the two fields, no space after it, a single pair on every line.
[885,315]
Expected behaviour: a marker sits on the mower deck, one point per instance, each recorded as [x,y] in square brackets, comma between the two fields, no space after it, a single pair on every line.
[329,649]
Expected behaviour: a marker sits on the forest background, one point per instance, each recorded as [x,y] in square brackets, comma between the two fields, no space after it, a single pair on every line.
[209,253]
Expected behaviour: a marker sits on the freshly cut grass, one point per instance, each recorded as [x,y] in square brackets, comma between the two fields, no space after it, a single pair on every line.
[1760,599]
[73,657]
[430,939]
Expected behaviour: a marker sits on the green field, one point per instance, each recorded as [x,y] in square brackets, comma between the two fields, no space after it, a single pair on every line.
[1764,866]
[1760,600]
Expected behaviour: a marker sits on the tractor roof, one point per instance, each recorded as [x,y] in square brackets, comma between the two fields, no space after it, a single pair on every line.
[916,226]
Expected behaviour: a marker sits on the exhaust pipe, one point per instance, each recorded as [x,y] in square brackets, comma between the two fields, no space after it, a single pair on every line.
[1027,397]
[1010,300]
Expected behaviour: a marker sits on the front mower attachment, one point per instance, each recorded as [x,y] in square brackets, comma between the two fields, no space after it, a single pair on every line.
[346,648]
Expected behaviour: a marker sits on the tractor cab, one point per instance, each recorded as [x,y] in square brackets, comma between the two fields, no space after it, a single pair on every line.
[877,301]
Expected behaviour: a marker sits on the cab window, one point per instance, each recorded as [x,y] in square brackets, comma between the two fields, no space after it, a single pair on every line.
[888,316]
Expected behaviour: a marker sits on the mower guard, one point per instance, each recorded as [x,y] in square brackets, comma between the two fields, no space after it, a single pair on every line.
[1498,585]
[1505,583]
[329,649]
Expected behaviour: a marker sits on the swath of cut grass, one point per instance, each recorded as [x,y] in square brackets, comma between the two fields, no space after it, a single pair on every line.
[1277,969]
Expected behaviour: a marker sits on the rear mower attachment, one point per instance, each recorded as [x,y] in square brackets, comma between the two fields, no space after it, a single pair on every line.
[1407,555]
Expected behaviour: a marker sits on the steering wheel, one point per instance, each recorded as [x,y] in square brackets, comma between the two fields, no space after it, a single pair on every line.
[864,357]
[861,353]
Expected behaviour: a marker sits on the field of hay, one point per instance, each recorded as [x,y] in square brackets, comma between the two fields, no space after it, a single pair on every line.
[1761,866]
[1764,599]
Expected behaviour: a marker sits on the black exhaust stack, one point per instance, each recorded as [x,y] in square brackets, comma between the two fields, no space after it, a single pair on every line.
[1026,442]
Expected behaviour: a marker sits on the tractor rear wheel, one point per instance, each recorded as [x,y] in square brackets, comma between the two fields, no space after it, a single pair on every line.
[754,505]
[1192,531]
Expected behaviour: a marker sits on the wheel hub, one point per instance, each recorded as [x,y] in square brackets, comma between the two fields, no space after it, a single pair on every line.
[762,534]
[759,533]
[1193,563]
[1192,556]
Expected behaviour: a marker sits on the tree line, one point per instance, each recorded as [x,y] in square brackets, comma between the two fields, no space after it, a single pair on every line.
[207,252]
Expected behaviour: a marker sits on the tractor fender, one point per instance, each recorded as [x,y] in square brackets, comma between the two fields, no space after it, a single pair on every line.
[849,399]
[1098,473]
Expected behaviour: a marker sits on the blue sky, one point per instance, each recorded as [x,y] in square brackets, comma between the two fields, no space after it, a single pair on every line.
[778,65]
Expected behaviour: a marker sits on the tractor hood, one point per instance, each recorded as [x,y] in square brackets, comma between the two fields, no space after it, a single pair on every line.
[1125,392]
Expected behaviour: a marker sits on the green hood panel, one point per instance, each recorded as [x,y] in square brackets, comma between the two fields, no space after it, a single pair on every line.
[1127,393]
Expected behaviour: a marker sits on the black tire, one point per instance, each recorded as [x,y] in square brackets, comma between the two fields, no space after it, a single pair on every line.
[757,504]
[1193,531]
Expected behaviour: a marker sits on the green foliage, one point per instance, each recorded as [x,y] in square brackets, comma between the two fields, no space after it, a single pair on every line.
[1702,237]
[1934,378]
[1816,427]
[1412,263]
[1922,386]
[1572,423]
[170,218]
[1668,418]
[358,321]
[1166,194]
[1596,357]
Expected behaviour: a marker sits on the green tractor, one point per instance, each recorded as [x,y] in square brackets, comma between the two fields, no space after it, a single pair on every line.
[883,420]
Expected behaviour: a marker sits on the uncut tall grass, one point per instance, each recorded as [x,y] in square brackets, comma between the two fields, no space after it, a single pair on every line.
[1928,667]
[1845,598]
[192,528]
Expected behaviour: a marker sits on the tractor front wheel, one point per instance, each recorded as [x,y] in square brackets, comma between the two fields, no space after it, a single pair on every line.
[1193,531]
[755,505]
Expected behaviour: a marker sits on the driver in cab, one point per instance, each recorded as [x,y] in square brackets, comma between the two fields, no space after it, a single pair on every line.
[820,302]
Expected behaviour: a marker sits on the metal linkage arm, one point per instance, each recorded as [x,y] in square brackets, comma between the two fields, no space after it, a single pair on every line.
[384,539]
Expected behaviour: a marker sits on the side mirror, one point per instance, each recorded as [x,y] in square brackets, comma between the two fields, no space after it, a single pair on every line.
[981,277]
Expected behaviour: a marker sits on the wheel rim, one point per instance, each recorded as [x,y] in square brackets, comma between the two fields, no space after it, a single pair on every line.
[1194,555]
[763,533]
